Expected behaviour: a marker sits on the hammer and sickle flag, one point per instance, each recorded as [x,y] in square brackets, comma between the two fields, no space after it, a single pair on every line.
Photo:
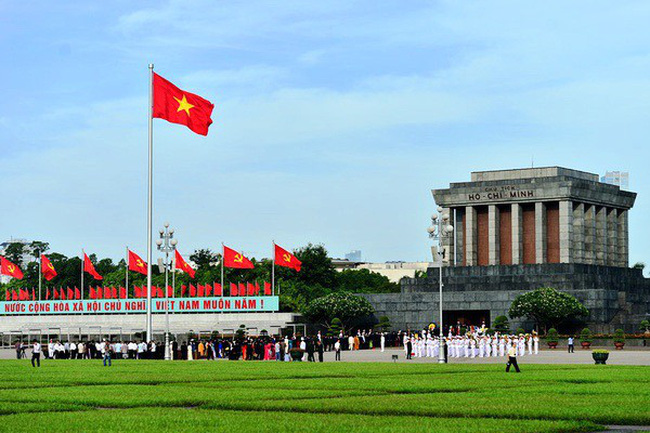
[183,265]
[90,268]
[178,106]
[8,268]
[233,259]
[286,259]
[136,264]
[47,269]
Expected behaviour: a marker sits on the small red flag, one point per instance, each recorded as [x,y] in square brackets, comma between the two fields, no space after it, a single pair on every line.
[14,295]
[47,294]
[47,268]
[200,291]
[114,294]
[183,290]
[177,106]
[8,268]
[233,289]
[62,294]
[257,288]
[100,293]
[123,293]
[77,293]
[70,293]
[208,290]
[267,288]
[33,295]
[286,259]
[136,264]
[55,294]
[7,295]
[250,289]
[90,268]
[218,290]
[170,292]
[192,291]
[137,292]
[242,289]
[183,266]
[233,259]
[91,293]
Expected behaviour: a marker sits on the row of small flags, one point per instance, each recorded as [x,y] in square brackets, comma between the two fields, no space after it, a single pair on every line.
[231,259]
[198,291]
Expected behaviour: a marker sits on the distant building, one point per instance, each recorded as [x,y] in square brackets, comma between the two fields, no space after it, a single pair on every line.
[618,178]
[353,256]
[394,271]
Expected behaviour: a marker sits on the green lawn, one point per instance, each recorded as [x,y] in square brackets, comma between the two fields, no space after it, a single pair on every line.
[71,396]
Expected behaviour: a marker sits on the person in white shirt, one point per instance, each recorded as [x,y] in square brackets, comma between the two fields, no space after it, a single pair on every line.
[536,343]
[105,348]
[36,353]
[337,350]
[50,349]
[382,341]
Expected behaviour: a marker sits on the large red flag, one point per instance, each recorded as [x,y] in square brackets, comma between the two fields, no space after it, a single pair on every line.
[218,290]
[90,268]
[177,106]
[286,259]
[233,259]
[8,268]
[233,289]
[47,268]
[136,264]
[267,288]
[183,266]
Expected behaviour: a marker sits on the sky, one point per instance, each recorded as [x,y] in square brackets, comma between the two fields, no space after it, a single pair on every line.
[332,123]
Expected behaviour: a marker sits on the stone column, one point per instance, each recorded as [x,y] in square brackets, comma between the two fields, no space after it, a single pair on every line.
[566,231]
[623,238]
[471,236]
[517,239]
[493,235]
[448,240]
[590,234]
[600,239]
[540,233]
[578,232]
[612,237]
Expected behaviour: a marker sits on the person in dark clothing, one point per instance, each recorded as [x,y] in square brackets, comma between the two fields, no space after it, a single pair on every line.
[409,348]
[320,349]
[512,359]
[310,351]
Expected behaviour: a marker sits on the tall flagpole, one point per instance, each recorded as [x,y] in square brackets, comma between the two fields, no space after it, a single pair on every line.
[273,270]
[40,273]
[83,253]
[222,286]
[150,205]
[126,272]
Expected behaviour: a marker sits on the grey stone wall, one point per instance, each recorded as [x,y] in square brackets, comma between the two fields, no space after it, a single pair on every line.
[616,297]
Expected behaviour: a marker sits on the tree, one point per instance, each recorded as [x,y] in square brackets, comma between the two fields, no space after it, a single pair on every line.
[344,306]
[203,258]
[15,252]
[384,324]
[364,281]
[501,324]
[317,268]
[639,265]
[38,247]
[335,327]
[547,307]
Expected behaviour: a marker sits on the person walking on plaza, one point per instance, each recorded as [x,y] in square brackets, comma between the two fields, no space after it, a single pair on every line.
[382,341]
[570,344]
[512,359]
[106,352]
[36,353]
[337,350]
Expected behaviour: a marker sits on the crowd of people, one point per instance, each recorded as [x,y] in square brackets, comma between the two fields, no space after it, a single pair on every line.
[474,342]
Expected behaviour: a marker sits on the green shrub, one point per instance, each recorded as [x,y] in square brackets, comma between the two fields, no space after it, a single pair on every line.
[585,336]
[645,325]
[501,324]
[520,331]
[552,336]
[600,351]
[619,336]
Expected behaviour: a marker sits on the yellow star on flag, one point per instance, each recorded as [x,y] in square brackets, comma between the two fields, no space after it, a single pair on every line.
[183,105]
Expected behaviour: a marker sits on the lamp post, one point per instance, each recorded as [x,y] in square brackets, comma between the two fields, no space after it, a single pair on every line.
[167,244]
[440,228]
